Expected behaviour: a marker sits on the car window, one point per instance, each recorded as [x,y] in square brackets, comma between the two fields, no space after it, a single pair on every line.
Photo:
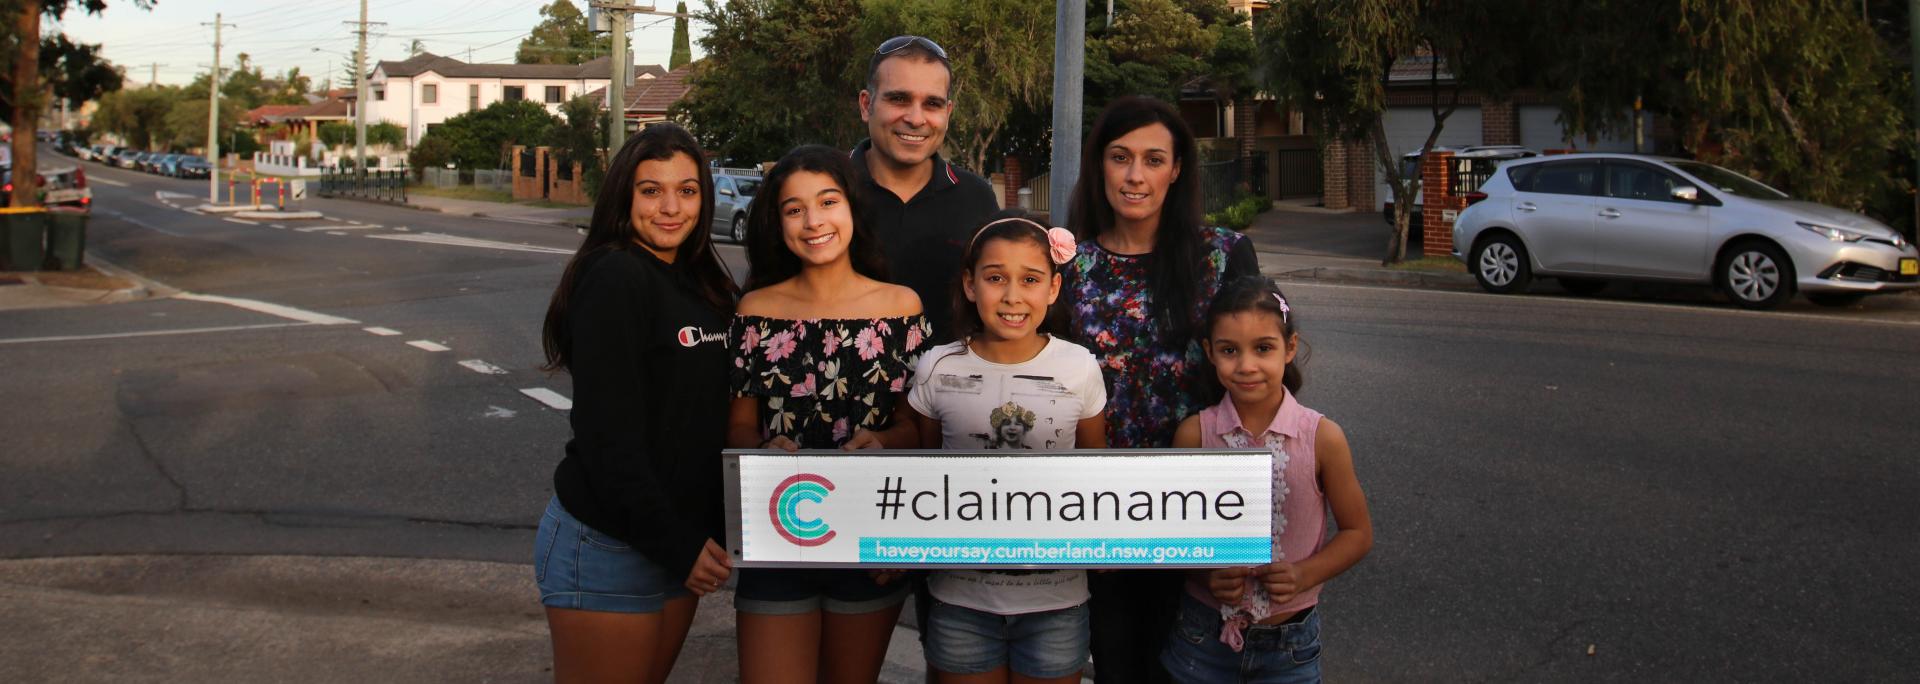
[1562,178]
[748,187]
[1640,182]
[1729,182]
[722,184]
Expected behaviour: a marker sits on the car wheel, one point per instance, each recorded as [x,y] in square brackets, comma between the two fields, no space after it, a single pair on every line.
[1836,299]
[1585,287]
[1756,275]
[1500,264]
[739,230]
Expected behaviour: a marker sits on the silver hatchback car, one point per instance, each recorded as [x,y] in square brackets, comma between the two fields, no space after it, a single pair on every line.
[1589,218]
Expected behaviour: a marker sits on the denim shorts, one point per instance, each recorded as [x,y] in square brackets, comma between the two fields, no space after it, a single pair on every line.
[1272,654]
[1043,645]
[794,591]
[578,567]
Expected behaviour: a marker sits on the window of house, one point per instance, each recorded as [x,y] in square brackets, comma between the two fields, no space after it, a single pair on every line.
[473,96]
[430,94]
[380,94]
[513,93]
[555,94]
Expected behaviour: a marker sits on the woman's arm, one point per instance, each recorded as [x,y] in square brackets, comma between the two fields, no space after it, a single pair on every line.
[904,433]
[1354,539]
[1091,433]
[743,427]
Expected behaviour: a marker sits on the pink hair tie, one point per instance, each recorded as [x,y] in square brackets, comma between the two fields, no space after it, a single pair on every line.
[1060,242]
[1284,309]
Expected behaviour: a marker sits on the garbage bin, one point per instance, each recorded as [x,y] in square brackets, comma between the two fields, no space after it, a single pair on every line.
[66,238]
[21,234]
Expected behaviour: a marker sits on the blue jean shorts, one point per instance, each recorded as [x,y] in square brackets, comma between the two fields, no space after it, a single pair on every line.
[1043,645]
[581,568]
[794,591]
[1272,654]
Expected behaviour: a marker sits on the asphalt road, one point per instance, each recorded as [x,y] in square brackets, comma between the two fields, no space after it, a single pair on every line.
[1563,489]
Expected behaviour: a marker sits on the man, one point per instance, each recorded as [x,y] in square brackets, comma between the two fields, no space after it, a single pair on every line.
[923,208]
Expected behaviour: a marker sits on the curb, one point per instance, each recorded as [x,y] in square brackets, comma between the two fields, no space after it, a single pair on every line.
[270,215]
[1415,279]
[231,209]
[144,288]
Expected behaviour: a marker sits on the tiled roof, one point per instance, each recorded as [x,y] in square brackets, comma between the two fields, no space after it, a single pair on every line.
[324,109]
[453,68]
[268,113]
[1418,67]
[653,95]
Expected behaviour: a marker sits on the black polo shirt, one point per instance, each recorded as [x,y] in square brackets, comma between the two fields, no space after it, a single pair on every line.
[925,237]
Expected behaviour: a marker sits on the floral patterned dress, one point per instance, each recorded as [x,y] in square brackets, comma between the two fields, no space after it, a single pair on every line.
[1152,381]
[818,380]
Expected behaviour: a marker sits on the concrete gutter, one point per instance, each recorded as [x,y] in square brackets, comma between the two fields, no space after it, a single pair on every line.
[271,215]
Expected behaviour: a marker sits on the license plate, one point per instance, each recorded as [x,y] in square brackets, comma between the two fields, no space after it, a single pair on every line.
[66,195]
[1910,267]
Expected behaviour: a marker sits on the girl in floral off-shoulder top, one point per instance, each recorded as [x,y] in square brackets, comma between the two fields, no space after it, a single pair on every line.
[822,351]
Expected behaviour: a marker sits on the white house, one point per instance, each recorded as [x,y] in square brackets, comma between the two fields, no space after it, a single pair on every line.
[421,92]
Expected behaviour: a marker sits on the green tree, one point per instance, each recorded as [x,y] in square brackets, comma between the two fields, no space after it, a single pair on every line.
[289,89]
[579,139]
[483,139]
[140,115]
[682,46]
[432,152]
[23,64]
[562,37]
[1333,58]
[186,125]
[776,75]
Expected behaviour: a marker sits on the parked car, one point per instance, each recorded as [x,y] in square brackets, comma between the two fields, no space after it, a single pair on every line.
[123,157]
[735,189]
[101,153]
[61,184]
[163,164]
[1477,162]
[1590,218]
[191,166]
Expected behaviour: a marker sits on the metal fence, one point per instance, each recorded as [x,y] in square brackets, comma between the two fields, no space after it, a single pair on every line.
[1299,173]
[1467,175]
[1041,200]
[498,180]
[382,186]
[1219,184]
[440,178]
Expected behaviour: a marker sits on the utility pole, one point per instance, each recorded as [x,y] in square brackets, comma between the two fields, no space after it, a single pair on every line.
[1913,30]
[360,93]
[618,20]
[1069,61]
[213,117]
[153,79]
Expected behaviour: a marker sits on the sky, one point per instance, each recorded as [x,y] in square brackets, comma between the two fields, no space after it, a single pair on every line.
[313,34]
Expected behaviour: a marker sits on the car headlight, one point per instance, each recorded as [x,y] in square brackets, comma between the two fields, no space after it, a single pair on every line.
[1833,233]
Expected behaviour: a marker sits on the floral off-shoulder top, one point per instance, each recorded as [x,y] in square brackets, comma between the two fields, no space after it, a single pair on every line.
[818,380]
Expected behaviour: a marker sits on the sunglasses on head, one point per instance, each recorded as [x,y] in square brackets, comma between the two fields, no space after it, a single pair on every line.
[896,43]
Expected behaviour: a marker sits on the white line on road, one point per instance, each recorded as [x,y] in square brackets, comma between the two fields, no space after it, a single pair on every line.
[1676,308]
[166,195]
[383,332]
[499,412]
[553,400]
[352,222]
[152,333]
[429,346]
[335,232]
[271,225]
[316,229]
[240,221]
[455,241]
[108,181]
[283,311]
[482,367]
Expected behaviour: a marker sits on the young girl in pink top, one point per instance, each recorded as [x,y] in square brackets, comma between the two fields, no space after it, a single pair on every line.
[1259,624]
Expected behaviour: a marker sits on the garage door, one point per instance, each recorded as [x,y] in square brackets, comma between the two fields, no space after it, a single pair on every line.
[1540,130]
[1407,128]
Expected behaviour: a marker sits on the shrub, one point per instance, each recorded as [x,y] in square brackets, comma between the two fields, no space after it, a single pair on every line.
[1240,214]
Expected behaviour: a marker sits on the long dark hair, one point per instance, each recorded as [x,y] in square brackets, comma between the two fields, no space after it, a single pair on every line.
[1173,274]
[966,316]
[612,230]
[768,259]
[1256,293]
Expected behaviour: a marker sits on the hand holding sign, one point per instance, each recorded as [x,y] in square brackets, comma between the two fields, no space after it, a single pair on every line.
[1228,585]
[1281,580]
[710,569]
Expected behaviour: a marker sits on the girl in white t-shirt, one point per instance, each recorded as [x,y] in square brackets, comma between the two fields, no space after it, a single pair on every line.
[1009,383]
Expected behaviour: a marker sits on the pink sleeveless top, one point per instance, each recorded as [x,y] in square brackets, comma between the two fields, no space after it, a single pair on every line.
[1299,523]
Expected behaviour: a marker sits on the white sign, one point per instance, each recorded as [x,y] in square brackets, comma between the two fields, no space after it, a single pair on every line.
[962,509]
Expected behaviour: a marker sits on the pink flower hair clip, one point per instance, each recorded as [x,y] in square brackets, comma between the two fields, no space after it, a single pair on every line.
[1060,242]
[1284,309]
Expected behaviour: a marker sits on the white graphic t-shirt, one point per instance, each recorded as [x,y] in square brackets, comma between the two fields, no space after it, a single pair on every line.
[1037,404]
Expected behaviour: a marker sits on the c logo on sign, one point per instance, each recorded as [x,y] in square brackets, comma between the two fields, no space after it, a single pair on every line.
[784,506]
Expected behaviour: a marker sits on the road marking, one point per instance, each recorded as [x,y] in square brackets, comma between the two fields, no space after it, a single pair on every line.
[482,367]
[498,412]
[553,400]
[402,229]
[316,229]
[352,222]
[153,333]
[106,181]
[455,241]
[335,232]
[240,221]
[1671,307]
[276,225]
[283,311]
[383,332]
[164,195]
[429,346]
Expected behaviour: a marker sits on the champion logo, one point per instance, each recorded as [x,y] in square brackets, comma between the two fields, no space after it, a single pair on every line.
[691,336]
[784,506]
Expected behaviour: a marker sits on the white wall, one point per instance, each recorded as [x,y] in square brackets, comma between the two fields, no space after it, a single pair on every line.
[1407,129]
[406,107]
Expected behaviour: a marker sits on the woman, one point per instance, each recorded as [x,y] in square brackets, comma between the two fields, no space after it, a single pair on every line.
[823,349]
[627,543]
[1138,288]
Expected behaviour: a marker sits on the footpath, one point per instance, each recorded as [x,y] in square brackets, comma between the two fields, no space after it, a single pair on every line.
[505,211]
